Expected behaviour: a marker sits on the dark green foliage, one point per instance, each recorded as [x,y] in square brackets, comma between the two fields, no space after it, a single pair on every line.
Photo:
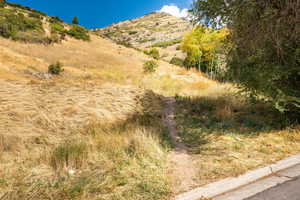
[55,69]
[133,32]
[150,66]
[75,20]
[177,61]
[154,53]
[2,3]
[264,57]
[79,32]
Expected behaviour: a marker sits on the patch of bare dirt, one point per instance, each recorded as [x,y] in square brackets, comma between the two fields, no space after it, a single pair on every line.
[182,165]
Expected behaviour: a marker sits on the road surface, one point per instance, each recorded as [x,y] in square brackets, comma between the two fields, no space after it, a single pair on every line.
[287,191]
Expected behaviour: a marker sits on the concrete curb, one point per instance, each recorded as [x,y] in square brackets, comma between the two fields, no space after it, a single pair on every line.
[229,184]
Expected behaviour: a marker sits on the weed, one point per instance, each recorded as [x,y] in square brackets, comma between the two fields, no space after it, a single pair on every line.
[150,66]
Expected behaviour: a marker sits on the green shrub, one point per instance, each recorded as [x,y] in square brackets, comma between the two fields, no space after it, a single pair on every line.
[177,61]
[55,20]
[132,32]
[154,53]
[13,24]
[55,69]
[2,3]
[79,32]
[58,28]
[150,66]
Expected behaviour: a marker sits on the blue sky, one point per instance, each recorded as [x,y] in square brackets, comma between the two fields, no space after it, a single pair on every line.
[100,13]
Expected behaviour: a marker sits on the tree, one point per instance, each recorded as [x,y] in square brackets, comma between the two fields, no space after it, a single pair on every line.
[265,54]
[2,3]
[75,20]
[203,46]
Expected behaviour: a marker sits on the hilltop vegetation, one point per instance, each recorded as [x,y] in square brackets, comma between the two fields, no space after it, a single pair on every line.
[25,24]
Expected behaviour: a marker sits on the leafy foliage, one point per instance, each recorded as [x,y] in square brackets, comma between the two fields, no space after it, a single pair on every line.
[55,69]
[15,25]
[79,32]
[203,45]
[150,66]
[265,56]
[153,53]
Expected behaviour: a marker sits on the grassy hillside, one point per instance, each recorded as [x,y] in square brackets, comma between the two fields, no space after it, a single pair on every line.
[21,23]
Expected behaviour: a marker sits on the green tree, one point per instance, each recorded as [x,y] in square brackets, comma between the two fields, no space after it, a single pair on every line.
[2,3]
[265,53]
[75,20]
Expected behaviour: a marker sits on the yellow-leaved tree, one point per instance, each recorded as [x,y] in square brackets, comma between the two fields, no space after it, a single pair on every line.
[204,47]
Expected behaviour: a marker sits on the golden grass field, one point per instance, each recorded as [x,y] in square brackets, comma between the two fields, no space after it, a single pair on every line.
[96,131]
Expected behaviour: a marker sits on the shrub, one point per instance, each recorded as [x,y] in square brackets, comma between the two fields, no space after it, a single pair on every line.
[132,32]
[2,3]
[177,61]
[55,69]
[13,24]
[55,20]
[150,66]
[79,32]
[153,53]
[124,43]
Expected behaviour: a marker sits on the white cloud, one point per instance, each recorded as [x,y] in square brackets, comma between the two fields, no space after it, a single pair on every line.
[174,10]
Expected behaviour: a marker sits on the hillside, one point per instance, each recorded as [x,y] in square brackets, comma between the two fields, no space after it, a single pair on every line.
[22,23]
[160,30]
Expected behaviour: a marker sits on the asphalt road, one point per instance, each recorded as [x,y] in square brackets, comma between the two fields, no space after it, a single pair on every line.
[287,191]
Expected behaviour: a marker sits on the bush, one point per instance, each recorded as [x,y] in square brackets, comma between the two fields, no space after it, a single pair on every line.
[132,32]
[55,69]
[150,66]
[2,3]
[154,53]
[177,61]
[79,32]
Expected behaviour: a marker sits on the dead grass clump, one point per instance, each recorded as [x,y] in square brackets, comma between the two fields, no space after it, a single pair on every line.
[69,155]
[8,143]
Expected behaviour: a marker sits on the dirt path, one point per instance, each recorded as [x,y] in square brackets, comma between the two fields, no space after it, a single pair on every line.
[184,172]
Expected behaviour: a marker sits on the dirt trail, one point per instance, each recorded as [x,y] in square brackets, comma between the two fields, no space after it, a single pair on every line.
[184,172]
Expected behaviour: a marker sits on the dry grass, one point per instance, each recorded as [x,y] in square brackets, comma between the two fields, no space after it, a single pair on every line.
[229,136]
[123,159]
